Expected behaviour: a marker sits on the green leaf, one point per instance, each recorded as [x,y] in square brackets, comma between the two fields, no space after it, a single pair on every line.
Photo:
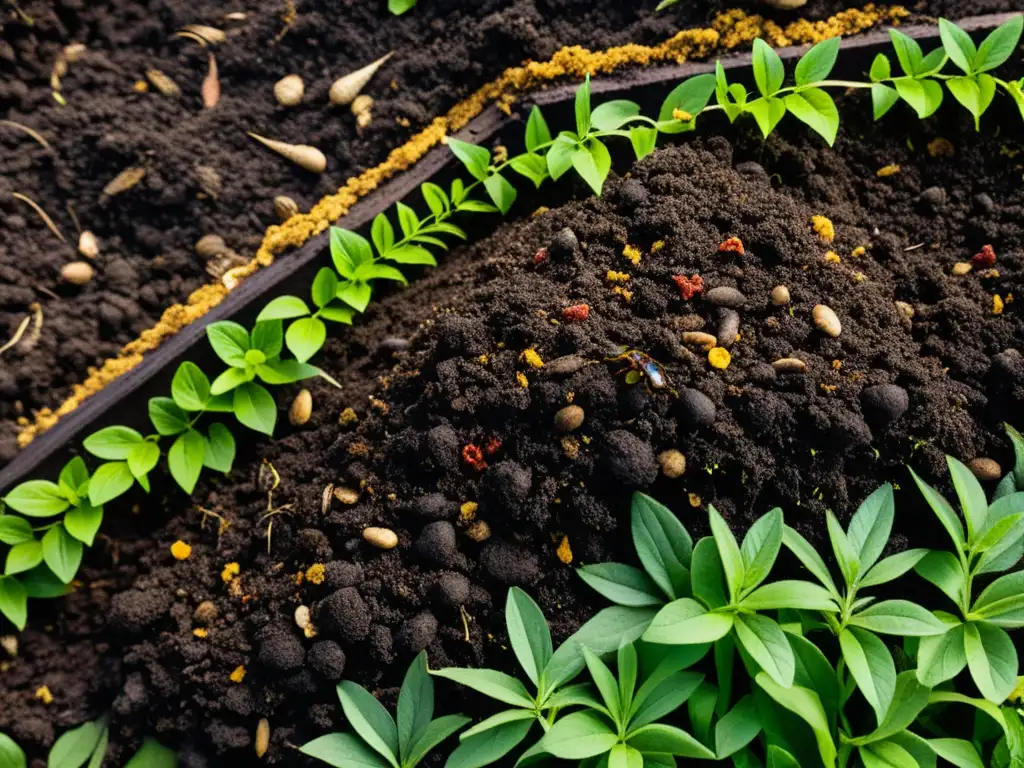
[882,99]
[870,527]
[687,622]
[266,337]
[933,63]
[489,682]
[382,233]
[795,594]
[185,459]
[624,756]
[190,389]
[415,705]
[14,530]
[1002,594]
[528,633]
[500,191]
[816,65]
[892,567]
[871,666]
[283,308]
[958,44]
[769,71]
[662,544]
[768,112]
[370,720]
[972,496]
[604,680]
[908,701]
[537,132]
[992,660]
[975,94]
[476,159]
[886,754]
[626,667]
[109,481]
[707,576]
[221,387]
[287,371]
[36,498]
[737,728]
[62,553]
[941,657]
[943,570]
[513,715]
[112,442]
[622,584]
[907,51]
[100,754]
[356,295]
[153,754]
[846,555]
[490,746]
[407,220]
[83,522]
[582,108]
[960,753]
[559,157]
[881,69]
[11,755]
[230,341]
[999,45]
[592,162]
[810,558]
[605,633]
[817,110]
[767,645]
[690,96]
[533,167]
[73,476]
[343,750]
[378,271]
[355,248]
[643,140]
[167,416]
[305,337]
[729,552]
[806,705]
[219,449]
[325,288]
[578,736]
[780,758]
[255,408]
[23,557]
[924,96]
[612,115]
[943,511]
[13,602]
[815,672]
[76,746]
[398,7]
[662,694]
[435,198]
[761,547]
[898,617]
[668,740]
[435,733]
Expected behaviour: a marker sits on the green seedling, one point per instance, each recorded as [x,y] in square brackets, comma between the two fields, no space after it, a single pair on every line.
[86,746]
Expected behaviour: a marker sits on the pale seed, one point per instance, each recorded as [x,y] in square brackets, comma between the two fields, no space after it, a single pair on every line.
[905,310]
[569,419]
[361,104]
[962,267]
[302,619]
[209,246]
[985,468]
[673,463]
[346,495]
[285,207]
[302,408]
[289,90]
[780,295]
[789,365]
[88,245]
[10,644]
[77,272]
[704,340]
[262,737]
[786,5]
[163,83]
[382,538]
[827,320]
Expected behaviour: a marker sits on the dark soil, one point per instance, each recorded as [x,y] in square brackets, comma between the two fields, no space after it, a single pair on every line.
[446,48]
[753,438]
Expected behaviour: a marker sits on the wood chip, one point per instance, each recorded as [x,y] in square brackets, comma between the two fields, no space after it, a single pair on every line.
[163,83]
[211,85]
[124,181]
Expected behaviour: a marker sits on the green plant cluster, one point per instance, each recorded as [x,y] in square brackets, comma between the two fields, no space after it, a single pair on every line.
[788,673]
[86,746]
[398,7]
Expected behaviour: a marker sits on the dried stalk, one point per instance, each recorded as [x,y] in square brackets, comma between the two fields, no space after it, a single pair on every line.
[17,334]
[42,214]
[38,138]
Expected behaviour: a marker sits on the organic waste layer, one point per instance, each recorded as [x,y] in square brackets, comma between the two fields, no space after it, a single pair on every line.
[458,438]
[131,99]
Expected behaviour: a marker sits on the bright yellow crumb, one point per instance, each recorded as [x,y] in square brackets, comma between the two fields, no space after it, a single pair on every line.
[468,510]
[860,250]
[695,500]
[238,675]
[540,211]
[824,228]
[230,571]
[720,358]
[531,358]
[623,292]
[888,170]
[682,115]
[858,277]
[632,254]
[521,378]
[565,551]
[616,277]
[43,694]
[997,305]
[180,550]
[200,632]
[657,245]
[832,257]
[141,86]
[315,573]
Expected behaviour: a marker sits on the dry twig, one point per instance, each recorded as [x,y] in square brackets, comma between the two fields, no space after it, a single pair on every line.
[42,214]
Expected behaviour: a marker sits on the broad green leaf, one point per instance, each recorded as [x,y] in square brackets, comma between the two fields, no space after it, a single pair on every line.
[578,736]
[14,530]
[592,162]
[168,417]
[846,555]
[881,69]
[643,140]
[23,557]
[687,622]
[871,525]
[407,254]
[908,701]
[622,584]
[508,716]
[933,63]
[323,292]
[768,112]
[435,198]
[580,694]
[559,157]
[769,71]
[83,522]
[13,601]
[230,341]
[73,748]
[992,660]
[810,558]
[737,728]
[255,408]
[221,387]
[999,45]
[11,755]
[1002,602]
[975,94]
[582,108]
[490,746]
[415,705]
[943,570]
[112,442]
[62,553]
[109,481]
[528,633]
[729,552]
[898,617]
[668,740]
[816,65]
[960,753]
[355,294]
[761,547]
[767,645]
[892,567]
[491,683]
[355,247]
[370,720]
[537,132]
[152,754]
[609,630]
[882,99]
[281,308]
[533,167]
[279,371]
[36,498]
[654,702]
[624,756]
[604,680]
[707,575]
[1002,541]
[73,476]
[943,511]
[924,96]
[780,758]
[958,44]
[612,115]
[305,337]
[185,459]
[501,192]
[219,449]
[435,733]
[972,497]
[190,389]
[477,159]
[382,233]
[908,52]
[871,665]
[689,97]
[662,544]
[817,110]
[941,657]
[886,754]
[806,705]
[799,595]
[41,583]
[343,750]
[374,270]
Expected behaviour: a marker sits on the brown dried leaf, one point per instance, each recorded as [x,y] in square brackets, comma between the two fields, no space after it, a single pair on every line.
[163,83]
[124,181]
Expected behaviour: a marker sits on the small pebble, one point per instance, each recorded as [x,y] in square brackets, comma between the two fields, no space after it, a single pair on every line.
[262,737]
[884,403]
[827,320]
[905,310]
[382,538]
[77,272]
[962,268]
[205,614]
[728,328]
[565,366]
[673,463]
[985,469]
[302,408]
[563,245]
[302,618]
[726,297]
[934,196]
[780,295]
[88,245]
[789,365]
[569,419]
[704,340]
[696,409]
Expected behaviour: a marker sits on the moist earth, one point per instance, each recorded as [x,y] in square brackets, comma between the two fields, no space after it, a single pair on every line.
[447,364]
[203,174]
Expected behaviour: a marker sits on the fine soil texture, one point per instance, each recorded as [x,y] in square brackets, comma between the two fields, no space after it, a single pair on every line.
[203,175]
[459,386]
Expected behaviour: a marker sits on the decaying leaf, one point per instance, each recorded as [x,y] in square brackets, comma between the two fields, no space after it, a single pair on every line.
[124,181]
[163,83]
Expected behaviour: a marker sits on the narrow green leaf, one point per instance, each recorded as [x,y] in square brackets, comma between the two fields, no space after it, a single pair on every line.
[255,408]
[767,645]
[491,683]
[729,552]
[435,733]
[846,555]
[73,476]
[992,660]
[943,570]
[605,633]
[908,701]
[668,740]
[795,594]
[898,617]
[662,544]
[560,156]
[343,750]
[740,726]
[810,558]
[882,99]
[958,44]
[707,575]
[13,601]
[490,746]
[604,680]
[892,567]
[582,108]
[871,665]
[943,511]
[664,696]
[816,65]
[973,503]
[185,459]
[999,45]
[370,720]
[382,233]
[622,584]
[415,705]
[908,52]
[690,97]
[806,705]
[886,754]
[528,633]
[761,547]
[871,525]
[960,753]
[221,388]
[537,132]
[74,747]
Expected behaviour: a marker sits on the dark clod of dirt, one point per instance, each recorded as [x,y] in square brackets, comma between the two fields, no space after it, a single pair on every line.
[344,615]
[452,590]
[629,460]
[327,659]
[434,506]
[934,197]
[417,633]
[696,410]
[281,650]
[506,488]
[564,245]
[509,565]
[632,194]
[339,574]
[436,544]
[884,403]
[138,610]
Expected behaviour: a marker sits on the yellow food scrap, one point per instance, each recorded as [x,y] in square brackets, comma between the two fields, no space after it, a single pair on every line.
[141,86]
[521,378]
[200,632]
[837,364]
[832,257]
[540,211]
[315,573]
[682,115]
[468,510]
[632,254]
[824,228]
[483,359]
[623,292]
[657,245]
[888,170]
[531,358]
[565,551]
[859,251]
[829,388]
[695,500]
[720,358]
[43,694]
[998,305]
[238,675]
[180,550]
[858,277]
[230,571]
[616,277]
[348,417]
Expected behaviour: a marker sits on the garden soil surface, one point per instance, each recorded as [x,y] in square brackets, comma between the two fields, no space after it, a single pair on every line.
[441,366]
[203,174]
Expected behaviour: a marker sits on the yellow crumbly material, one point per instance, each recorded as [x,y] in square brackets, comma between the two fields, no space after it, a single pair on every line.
[230,571]
[720,358]
[728,30]
[888,170]
[238,675]
[824,228]
[180,550]
[616,277]
[998,304]
[316,573]
[531,358]
[832,257]
[632,254]
[565,551]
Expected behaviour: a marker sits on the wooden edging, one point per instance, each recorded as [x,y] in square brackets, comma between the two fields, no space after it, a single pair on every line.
[46,453]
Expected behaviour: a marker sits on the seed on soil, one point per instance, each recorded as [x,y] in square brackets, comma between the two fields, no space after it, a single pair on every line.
[361,105]
[205,613]
[88,245]
[289,90]
[888,170]
[262,737]
[345,89]
[962,268]
[569,419]
[163,83]
[302,617]
[905,310]
[10,644]
[382,538]
[565,366]
[285,207]
[673,463]
[77,272]
[303,155]
[704,340]
[205,34]
[786,5]
[789,365]
[479,531]
[210,246]
[780,295]
[941,148]
[728,328]
[725,297]
[302,408]
[124,181]
[180,550]
[346,495]
[827,320]
[985,469]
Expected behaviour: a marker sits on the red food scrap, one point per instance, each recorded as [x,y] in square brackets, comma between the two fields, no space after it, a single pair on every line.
[493,446]
[577,312]
[541,255]
[732,245]
[984,258]
[473,456]
[689,286]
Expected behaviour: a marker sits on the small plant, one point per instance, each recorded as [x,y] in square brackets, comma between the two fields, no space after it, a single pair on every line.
[398,7]
[86,745]
[380,741]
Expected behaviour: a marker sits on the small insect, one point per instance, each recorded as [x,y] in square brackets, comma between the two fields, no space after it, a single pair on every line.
[640,365]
